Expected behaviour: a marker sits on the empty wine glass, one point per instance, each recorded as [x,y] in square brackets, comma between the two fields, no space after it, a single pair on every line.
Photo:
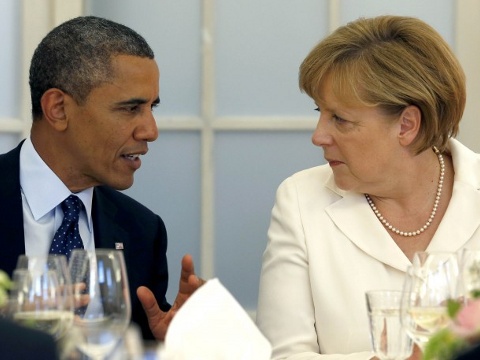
[468,285]
[41,296]
[427,261]
[41,263]
[389,339]
[102,300]
[427,289]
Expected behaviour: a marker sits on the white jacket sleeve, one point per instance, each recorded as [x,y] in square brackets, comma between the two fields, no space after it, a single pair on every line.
[285,312]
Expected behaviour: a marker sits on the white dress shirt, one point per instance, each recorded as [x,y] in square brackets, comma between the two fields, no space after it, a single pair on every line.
[42,194]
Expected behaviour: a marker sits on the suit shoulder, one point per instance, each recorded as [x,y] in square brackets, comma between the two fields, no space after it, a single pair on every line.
[11,157]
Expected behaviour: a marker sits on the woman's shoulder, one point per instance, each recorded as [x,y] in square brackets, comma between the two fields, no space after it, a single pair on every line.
[311,180]
[313,174]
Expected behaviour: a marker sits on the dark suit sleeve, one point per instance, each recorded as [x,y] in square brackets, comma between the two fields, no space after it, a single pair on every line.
[119,219]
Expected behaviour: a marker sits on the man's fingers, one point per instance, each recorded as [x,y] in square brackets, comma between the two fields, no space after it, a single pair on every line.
[187,267]
[195,281]
[149,304]
[157,319]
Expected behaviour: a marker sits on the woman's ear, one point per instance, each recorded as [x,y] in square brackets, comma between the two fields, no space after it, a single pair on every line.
[410,121]
[53,107]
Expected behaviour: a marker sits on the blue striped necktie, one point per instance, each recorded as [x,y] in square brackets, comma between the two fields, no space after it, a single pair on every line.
[67,236]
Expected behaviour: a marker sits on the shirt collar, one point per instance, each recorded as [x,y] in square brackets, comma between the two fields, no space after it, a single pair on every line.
[42,188]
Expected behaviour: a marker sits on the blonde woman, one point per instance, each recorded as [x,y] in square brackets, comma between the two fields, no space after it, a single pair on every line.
[390,94]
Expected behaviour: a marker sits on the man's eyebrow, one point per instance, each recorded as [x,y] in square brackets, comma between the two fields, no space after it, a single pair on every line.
[137,101]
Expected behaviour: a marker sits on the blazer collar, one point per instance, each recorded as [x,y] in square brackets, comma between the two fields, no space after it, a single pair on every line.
[462,217]
[354,217]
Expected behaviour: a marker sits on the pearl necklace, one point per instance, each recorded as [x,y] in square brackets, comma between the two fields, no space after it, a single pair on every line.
[432,214]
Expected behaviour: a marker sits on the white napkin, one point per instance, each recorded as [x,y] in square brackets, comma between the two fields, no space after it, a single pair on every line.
[212,325]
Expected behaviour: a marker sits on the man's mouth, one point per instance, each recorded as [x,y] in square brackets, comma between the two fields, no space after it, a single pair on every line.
[131,156]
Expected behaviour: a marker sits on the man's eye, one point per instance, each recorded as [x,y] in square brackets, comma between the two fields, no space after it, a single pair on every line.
[132,109]
[317,109]
[154,106]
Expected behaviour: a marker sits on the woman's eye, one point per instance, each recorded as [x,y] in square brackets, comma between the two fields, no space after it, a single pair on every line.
[338,120]
[317,109]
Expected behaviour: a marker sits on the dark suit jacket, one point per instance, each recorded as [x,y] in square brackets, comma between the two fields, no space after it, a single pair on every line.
[117,218]
[18,342]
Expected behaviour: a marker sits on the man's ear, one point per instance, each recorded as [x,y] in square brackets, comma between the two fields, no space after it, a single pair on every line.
[410,121]
[53,107]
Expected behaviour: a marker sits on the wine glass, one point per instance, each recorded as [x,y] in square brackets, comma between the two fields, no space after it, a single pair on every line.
[469,275]
[389,339]
[429,284]
[41,295]
[425,262]
[101,298]
[55,262]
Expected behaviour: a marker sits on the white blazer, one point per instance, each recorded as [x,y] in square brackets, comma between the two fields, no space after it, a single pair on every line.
[326,248]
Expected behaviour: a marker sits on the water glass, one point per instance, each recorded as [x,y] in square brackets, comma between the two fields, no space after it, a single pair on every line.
[389,339]
[41,296]
[102,300]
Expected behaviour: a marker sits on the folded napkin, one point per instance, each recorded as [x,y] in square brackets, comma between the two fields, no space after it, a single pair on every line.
[212,325]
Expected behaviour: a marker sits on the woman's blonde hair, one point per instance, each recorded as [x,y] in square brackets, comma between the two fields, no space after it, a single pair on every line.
[392,62]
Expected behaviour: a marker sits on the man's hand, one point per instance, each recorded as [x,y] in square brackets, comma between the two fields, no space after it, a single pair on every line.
[159,320]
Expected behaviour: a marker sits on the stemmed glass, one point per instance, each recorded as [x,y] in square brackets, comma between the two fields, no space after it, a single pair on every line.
[102,300]
[389,339]
[429,283]
[468,285]
[426,262]
[41,296]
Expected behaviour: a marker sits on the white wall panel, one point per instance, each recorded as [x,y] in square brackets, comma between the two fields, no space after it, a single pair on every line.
[168,183]
[10,92]
[438,13]
[8,141]
[260,45]
[172,28]
[249,167]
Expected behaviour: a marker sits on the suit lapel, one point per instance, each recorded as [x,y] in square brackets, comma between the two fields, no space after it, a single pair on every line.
[107,229]
[461,220]
[354,217]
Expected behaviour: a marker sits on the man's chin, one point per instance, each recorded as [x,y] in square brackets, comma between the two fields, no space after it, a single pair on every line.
[124,184]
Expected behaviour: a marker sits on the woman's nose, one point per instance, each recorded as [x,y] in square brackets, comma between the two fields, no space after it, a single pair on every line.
[321,136]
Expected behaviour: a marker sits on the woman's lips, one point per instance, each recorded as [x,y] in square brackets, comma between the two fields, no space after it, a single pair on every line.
[334,162]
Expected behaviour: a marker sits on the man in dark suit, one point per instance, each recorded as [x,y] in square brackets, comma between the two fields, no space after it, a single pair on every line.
[94,84]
